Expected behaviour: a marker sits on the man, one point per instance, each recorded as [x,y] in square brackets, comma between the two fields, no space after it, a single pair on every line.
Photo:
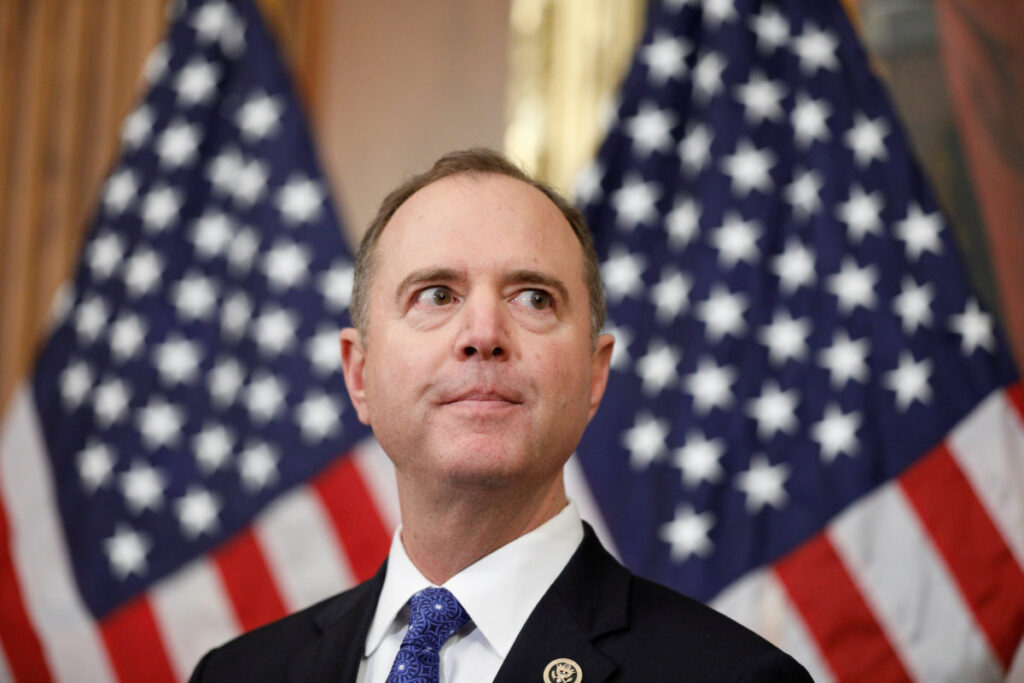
[477,360]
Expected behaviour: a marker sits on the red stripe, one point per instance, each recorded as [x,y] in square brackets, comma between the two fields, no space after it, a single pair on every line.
[21,645]
[134,644]
[1016,396]
[249,583]
[826,596]
[354,516]
[982,564]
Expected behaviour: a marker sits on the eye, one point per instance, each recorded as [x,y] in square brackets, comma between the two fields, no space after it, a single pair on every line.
[537,299]
[435,296]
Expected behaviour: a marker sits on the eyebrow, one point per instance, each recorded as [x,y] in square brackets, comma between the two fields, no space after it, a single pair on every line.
[535,277]
[416,277]
[449,275]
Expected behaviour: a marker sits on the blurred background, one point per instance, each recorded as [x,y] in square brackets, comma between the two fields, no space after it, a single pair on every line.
[389,86]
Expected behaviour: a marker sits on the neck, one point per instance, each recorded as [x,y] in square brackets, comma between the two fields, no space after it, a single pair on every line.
[444,530]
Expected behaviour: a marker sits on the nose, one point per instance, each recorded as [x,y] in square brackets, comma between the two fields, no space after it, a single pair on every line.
[483,329]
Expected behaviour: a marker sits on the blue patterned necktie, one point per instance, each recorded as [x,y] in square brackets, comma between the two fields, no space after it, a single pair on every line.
[434,615]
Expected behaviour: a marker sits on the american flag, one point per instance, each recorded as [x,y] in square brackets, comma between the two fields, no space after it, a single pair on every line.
[182,464]
[811,422]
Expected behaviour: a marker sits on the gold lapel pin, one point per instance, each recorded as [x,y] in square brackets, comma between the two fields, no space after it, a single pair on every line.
[563,671]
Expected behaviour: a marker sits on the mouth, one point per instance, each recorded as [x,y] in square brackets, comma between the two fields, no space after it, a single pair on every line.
[483,399]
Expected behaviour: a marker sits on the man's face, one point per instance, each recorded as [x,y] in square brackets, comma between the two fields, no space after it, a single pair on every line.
[477,364]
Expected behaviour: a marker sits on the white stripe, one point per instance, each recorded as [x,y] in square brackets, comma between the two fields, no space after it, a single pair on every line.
[73,647]
[578,491]
[301,550]
[908,587]
[379,476]
[1016,672]
[5,669]
[193,614]
[759,602]
[989,447]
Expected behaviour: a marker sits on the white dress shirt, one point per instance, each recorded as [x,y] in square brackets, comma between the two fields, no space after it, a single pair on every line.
[498,592]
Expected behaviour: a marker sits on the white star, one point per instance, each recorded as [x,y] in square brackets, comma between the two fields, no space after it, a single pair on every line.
[91,318]
[650,129]
[707,76]
[242,251]
[761,98]
[235,315]
[318,416]
[194,296]
[749,167]
[178,144]
[736,240]
[716,12]
[809,120]
[836,433]
[196,82]
[160,423]
[286,265]
[211,20]
[645,440]
[845,359]
[212,447]
[300,200]
[156,64]
[866,138]
[274,330]
[211,233]
[75,382]
[722,313]
[324,351]
[920,232]
[687,533]
[260,116]
[622,273]
[862,213]
[142,271]
[974,327]
[224,170]
[95,466]
[104,254]
[764,484]
[264,397]
[816,49]
[137,127]
[671,295]
[161,206]
[854,286]
[804,193]
[250,182]
[794,266]
[682,223]
[588,184]
[620,352]
[699,459]
[665,57]
[143,487]
[695,148]
[914,305]
[336,286]
[774,410]
[126,551]
[658,367]
[785,338]
[225,380]
[120,191]
[771,28]
[111,401]
[197,512]
[910,380]
[177,360]
[711,386]
[634,202]
[258,467]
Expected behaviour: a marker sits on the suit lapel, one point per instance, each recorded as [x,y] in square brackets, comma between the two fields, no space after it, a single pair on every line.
[588,599]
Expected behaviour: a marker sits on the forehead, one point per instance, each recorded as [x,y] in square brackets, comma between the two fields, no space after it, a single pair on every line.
[480,221]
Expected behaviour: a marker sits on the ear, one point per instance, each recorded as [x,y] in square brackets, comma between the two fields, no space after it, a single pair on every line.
[601,361]
[353,360]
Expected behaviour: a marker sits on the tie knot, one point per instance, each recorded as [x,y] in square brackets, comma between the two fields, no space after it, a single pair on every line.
[434,616]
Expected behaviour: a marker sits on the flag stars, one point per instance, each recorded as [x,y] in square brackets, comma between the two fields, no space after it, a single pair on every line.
[225,381]
[774,410]
[651,129]
[634,202]
[588,183]
[707,76]
[771,29]
[194,297]
[914,305]
[161,206]
[336,286]
[749,167]
[794,266]
[645,440]
[736,240]
[217,21]
[250,182]
[110,402]
[143,487]
[717,12]
[695,148]
[260,116]
[286,265]
[212,233]
[126,550]
[657,368]
[764,484]
[974,327]
[682,223]
[177,360]
[836,433]
[710,385]
[620,352]
[688,534]
[178,144]
[699,459]
[866,139]
[264,397]
[160,423]
[91,318]
[622,274]
[318,417]
[235,315]
[670,295]
[324,351]
[854,286]
[75,382]
[212,447]
[156,64]
[920,232]
[761,98]
[242,251]
[258,468]
[142,272]
[804,193]
[224,170]
[120,191]
[665,57]
[300,200]
[104,254]
[816,49]
[910,380]
[809,120]
[197,512]
[722,313]
[845,359]
[196,82]
[785,338]
[274,330]
[862,213]
[95,466]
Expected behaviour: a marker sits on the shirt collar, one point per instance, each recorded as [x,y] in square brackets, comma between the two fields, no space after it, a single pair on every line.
[498,591]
